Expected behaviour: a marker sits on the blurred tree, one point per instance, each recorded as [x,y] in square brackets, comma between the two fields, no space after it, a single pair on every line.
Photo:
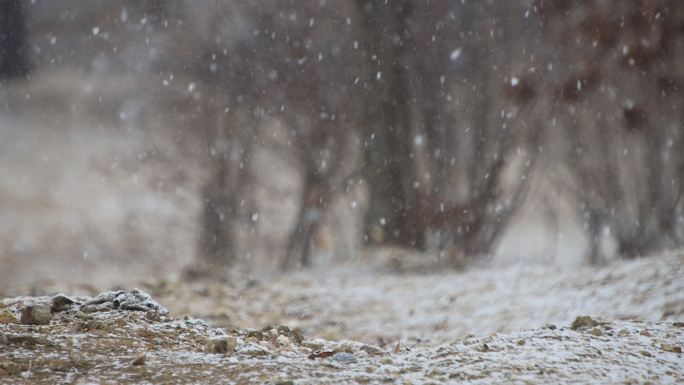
[617,97]
[388,168]
[227,119]
[451,102]
[433,124]
[305,56]
[262,62]
[14,60]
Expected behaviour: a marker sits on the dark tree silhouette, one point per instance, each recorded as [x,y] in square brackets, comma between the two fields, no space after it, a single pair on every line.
[14,60]
[618,101]
[420,143]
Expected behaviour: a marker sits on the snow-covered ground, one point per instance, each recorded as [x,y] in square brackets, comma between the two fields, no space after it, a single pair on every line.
[99,340]
[438,307]
[513,324]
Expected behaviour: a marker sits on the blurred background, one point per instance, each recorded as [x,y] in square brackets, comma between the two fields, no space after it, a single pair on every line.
[140,138]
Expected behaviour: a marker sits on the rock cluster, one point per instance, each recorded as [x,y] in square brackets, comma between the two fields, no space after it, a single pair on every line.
[135,299]
[41,313]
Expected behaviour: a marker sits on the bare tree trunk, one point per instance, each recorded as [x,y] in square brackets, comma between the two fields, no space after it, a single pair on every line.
[320,187]
[216,244]
[309,218]
[226,190]
[411,129]
[14,60]
[389,169]
[621,145]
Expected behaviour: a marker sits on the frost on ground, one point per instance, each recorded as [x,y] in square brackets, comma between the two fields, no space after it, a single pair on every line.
[512,325]
[436,308]
[127,346]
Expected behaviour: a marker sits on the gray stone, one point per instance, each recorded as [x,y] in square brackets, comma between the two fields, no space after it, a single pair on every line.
[372,350]
[36,315]
[61,302]
[135,299]
[140,360]
[583,322]
[344,358]
[222,345]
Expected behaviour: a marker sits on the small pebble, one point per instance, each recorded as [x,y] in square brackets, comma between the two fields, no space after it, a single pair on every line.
[140,360]
[671,348]
[272,334]
[372,350]
[76,327]
[284,340]
[222,345]
[83,316]
[583,322]
[252,340]
[344,358]
[61,302]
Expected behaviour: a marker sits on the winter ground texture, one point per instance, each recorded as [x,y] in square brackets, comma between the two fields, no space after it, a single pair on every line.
[515,324]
